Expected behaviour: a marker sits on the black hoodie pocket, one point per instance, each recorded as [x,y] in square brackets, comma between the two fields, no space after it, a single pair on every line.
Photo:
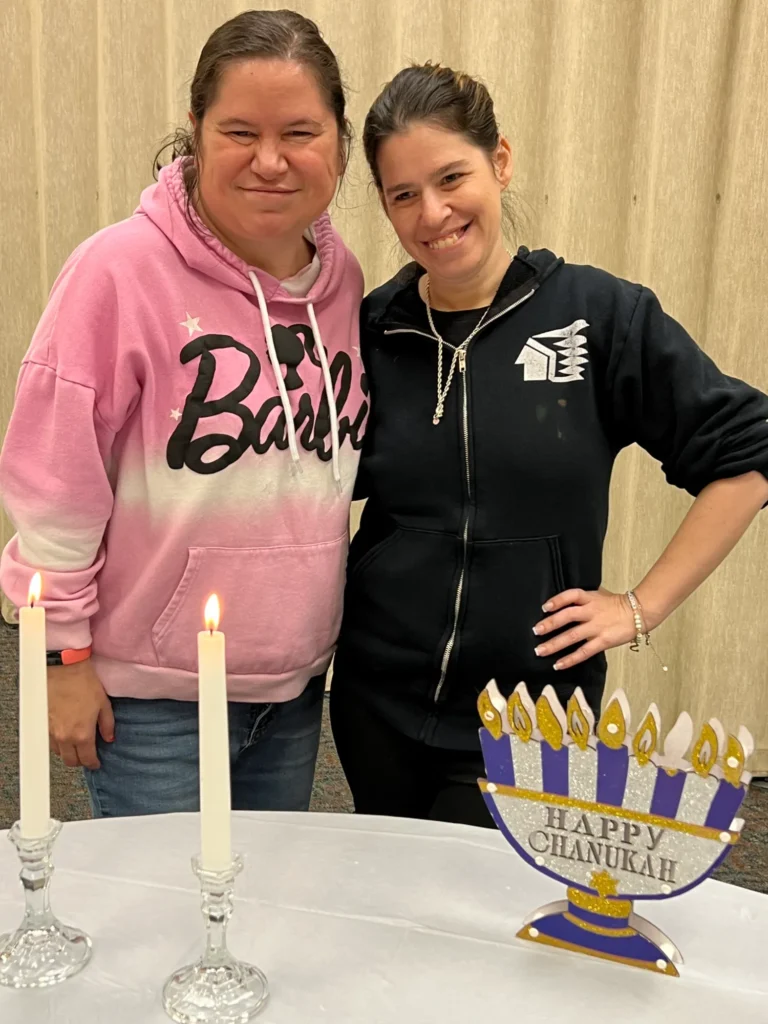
[399,598]
[508,582]
[372,554]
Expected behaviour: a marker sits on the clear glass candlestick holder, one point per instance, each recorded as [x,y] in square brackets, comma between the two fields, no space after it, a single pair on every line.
[218,988]
[42,951]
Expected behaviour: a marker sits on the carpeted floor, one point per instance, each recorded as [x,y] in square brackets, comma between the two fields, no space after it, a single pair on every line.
[746,866]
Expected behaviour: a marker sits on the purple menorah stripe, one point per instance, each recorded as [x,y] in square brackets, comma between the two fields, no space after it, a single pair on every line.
[554,769]
[634,947]
[727,801]
[667,793]
[612,768]
[497,755]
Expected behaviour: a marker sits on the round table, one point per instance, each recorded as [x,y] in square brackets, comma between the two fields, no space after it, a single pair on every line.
[360,920]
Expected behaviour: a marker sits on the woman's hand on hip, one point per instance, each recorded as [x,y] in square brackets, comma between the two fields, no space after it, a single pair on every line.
[598,620]
[77,706]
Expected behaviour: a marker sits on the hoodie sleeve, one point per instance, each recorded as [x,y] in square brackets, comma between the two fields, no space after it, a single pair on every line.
[669,397]
[362,483]
[54,480]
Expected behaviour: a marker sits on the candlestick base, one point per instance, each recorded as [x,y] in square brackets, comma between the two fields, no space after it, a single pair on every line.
[218,988]
[42,951]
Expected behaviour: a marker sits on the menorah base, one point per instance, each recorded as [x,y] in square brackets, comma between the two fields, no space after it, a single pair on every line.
[629,939]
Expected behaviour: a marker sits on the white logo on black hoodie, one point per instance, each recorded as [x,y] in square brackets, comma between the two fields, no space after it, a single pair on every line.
[540,362]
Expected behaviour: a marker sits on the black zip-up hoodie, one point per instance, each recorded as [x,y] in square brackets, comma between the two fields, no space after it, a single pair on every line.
[472,524]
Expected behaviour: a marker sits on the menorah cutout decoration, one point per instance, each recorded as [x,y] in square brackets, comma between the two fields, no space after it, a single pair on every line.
[604,812]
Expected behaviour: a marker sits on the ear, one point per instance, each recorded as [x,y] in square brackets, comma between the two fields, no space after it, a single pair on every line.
[192,120]
[503,162]
[345,148]
[344,155]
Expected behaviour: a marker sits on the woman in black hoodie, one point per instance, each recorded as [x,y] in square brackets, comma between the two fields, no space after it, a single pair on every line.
[502,389]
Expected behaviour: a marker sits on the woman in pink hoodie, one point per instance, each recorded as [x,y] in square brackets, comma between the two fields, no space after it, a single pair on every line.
[188,420]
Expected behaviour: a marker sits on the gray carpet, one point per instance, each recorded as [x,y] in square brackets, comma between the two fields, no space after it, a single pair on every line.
[746,866]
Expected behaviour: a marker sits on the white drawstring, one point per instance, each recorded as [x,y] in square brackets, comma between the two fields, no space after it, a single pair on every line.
[331,398]
[289,424]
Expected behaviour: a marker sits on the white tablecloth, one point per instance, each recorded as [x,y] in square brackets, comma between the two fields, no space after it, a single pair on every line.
[360,920]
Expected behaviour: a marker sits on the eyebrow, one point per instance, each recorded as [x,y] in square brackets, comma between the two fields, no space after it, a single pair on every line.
[445,169]
[229,122]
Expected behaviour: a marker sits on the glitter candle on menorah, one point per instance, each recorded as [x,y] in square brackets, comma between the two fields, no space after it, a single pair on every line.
[604,812]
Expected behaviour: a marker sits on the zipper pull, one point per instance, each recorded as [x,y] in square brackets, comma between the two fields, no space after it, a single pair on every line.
[462,360]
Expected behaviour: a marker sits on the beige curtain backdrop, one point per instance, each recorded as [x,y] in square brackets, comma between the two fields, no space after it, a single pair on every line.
[640,131]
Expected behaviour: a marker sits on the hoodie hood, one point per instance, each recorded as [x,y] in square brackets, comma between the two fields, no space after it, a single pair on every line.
[167,205]
[397,304]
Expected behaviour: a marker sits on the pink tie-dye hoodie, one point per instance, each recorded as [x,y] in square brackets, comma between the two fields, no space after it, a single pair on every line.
[149,461]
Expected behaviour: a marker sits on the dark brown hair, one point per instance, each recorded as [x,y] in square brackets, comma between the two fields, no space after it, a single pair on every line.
[281,35]
[438,96]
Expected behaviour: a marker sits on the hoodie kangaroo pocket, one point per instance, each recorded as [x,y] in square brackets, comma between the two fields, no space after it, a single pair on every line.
[509,581]
[280,606]
[356,571]
[400,596]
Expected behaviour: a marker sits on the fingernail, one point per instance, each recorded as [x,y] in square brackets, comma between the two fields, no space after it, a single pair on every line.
[557,666]
[538,651]
[536,630]
[547,607]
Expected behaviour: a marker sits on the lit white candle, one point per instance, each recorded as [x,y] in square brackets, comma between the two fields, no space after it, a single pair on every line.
[34,756]
[215,797]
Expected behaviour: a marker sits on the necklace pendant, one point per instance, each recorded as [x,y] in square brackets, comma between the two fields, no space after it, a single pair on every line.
[435,419]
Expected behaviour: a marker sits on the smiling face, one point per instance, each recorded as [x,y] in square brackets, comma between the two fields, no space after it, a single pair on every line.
[443,196]
[268,155]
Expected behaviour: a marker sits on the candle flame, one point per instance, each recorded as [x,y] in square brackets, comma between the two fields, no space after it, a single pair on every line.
[580,719]
[35,589]
[212,613]
[733,762]
[612,728]
[520,722]
[705,752]
[490,716]
[647,737]
[547,719]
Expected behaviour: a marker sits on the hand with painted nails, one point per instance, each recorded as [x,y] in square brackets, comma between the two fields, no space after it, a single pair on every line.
[599,620]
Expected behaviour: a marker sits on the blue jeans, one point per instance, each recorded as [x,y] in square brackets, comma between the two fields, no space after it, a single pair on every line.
[152,767]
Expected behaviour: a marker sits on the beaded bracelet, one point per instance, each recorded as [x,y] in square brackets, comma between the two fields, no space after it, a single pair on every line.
[641,633]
